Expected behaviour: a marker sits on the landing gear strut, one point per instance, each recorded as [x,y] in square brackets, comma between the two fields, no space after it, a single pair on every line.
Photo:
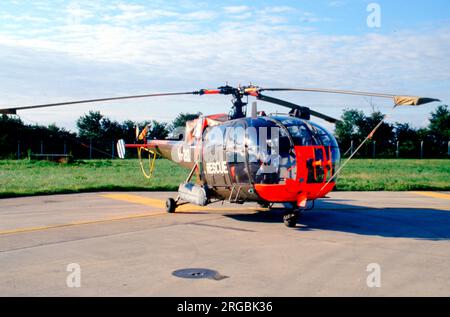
[265,205]
[172,204]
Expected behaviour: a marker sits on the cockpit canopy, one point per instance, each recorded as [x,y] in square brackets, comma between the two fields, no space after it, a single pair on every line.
[293,132]
[262,149]
[306,132]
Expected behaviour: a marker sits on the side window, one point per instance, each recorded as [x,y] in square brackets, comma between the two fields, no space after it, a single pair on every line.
[287,168]
[316,172]
[263,146]
[214,142]
[331,149]
[300,134]
[324,136]
[229,144]
[235,152]
[252,144]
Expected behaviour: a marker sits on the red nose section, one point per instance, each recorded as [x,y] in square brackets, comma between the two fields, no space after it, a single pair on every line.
[314,167]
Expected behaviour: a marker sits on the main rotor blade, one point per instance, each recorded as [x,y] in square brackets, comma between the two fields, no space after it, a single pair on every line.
[323,116]
[13,110]
[293,106]
[280,102]
[398,100]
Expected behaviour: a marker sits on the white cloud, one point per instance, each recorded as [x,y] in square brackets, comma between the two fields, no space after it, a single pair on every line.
[126,7]
[76,13]
[117,56]
[242,16]
[237,9]
[278,9]
[23,18]
[203,15]
[309,17]
[337,3]
[131,13]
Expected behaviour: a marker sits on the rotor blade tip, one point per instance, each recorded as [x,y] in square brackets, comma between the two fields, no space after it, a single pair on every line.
[8,111]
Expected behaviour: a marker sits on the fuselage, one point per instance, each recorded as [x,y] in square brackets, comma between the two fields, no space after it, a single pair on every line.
[267,158]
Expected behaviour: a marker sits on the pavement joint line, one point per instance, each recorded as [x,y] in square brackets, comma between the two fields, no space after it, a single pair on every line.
[122,197]
[433,194]
[78,223]
[156,203]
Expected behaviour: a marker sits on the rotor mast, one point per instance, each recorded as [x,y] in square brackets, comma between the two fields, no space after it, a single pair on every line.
[237,110]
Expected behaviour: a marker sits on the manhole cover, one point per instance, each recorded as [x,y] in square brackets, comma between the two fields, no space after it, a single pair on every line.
[198,273]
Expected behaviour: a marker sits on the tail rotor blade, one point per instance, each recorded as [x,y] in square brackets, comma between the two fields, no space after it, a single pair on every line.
[121,149]
[137,131]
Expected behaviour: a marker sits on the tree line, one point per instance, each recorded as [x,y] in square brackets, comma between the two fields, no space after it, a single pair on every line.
[432,140]
[97,135]
[95,138]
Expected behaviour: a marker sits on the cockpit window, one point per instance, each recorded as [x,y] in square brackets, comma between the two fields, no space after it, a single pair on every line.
[300,134]
[299,131]
[325,137]
[270,152]
[331,146]
[307,133]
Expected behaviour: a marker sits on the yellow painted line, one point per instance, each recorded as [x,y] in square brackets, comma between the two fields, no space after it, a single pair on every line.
[158,203]
[433,194]
[79,223]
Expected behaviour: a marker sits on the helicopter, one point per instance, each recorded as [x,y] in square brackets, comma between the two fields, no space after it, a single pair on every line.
[264,158]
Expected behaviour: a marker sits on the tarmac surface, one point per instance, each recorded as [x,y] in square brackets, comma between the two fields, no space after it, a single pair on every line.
[125,244]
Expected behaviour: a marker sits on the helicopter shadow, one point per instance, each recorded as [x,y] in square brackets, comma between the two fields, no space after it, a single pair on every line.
[413,223]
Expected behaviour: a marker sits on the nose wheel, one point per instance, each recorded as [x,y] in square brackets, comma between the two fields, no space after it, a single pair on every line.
[290,218]
[171,205]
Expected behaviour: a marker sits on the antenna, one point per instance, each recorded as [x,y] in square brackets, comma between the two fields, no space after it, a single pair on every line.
[254,110]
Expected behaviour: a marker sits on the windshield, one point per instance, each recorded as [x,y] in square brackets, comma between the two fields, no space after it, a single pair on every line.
[330,143]
[300,132]
[326,138]
[307,133]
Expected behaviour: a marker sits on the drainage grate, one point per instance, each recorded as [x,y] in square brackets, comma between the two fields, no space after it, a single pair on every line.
[198,274]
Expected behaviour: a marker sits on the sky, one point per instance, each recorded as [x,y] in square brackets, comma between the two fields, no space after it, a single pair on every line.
[60,50]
